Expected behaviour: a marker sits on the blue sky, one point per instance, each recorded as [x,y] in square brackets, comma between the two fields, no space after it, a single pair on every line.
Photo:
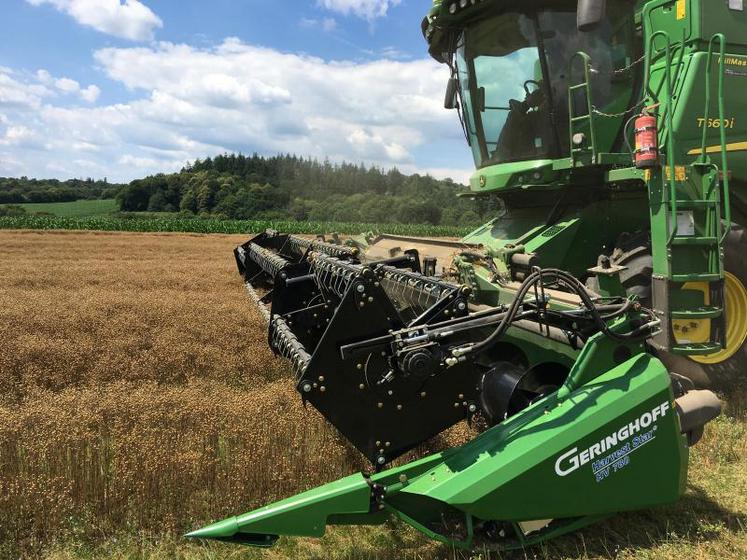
[125,88]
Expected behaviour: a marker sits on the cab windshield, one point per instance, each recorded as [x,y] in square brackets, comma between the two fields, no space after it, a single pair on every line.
[512,71]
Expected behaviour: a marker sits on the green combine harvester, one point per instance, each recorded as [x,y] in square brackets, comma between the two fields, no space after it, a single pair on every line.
[580,327]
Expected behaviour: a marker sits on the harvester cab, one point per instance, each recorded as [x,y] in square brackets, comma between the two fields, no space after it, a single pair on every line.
[576,327]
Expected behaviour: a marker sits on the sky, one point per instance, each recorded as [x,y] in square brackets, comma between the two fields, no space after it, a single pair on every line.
[126,88]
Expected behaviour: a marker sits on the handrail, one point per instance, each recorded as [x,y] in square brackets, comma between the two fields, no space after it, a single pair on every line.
[586,59]
[668,112]
[647,72]
[703,159]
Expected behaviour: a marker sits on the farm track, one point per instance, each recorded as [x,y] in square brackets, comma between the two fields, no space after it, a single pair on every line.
[138,399]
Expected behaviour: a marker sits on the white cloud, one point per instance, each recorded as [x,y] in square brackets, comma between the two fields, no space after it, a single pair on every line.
[394,53]
[90,94]
[43,76]
[14,93]
[17,134]
[129,20]
[367,9]
[190,102]
[325,24]
[67,85]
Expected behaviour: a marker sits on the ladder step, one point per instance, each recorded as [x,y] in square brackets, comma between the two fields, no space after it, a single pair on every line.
[578,86]
[699,349]
[705,312]
[695,241]
[581,118]
[696,277]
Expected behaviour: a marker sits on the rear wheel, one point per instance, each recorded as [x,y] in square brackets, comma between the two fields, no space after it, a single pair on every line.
[720,369]
[731,363]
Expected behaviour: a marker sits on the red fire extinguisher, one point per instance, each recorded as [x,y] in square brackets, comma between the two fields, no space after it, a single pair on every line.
[646,142]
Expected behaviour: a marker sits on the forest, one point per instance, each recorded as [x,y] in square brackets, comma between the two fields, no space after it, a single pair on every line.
[24,190]
[281,187]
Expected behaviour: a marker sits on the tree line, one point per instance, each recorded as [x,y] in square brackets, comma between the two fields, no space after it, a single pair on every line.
[256,187]
[24,190]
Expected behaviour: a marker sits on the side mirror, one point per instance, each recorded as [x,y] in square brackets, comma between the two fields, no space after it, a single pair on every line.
[590,13]
[452,87]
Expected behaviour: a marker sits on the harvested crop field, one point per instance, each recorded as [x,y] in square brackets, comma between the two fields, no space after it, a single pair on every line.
[138,400]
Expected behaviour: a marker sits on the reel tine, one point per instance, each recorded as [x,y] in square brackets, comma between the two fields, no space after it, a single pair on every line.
[413,290]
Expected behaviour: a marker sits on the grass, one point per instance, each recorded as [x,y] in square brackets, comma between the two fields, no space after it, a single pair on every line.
[77,209]
[194,225]
[132,374]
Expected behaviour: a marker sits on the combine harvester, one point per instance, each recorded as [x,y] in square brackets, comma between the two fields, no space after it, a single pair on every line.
[578,325]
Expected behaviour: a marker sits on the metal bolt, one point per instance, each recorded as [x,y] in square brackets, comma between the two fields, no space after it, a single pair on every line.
[359,366]
[473,408]
[360,288]
[388,443]
[361,386]
[403,478]
[363,304]
[399,407]
[462,306]
[316,385]
[461,396]
[370,299]
[422,395]
[380,405]
[321,378]
[322,388]
[456,405]
[381,460]
[390,392]
[378,443]
[307,387]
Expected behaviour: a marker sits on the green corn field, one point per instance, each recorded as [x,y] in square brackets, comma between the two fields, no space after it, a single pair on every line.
[193,225]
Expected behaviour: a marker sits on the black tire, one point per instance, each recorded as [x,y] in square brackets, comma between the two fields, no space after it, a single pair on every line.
[634,252]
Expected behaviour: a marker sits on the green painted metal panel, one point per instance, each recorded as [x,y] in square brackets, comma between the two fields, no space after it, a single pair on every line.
[512,175]
[613,444]
[510,479]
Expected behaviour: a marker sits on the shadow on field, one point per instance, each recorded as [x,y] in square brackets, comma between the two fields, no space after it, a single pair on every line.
[694,519]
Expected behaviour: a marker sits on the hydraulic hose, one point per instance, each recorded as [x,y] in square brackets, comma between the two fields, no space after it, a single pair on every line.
[572,283]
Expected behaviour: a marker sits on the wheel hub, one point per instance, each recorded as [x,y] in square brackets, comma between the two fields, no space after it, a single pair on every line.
[736,321]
